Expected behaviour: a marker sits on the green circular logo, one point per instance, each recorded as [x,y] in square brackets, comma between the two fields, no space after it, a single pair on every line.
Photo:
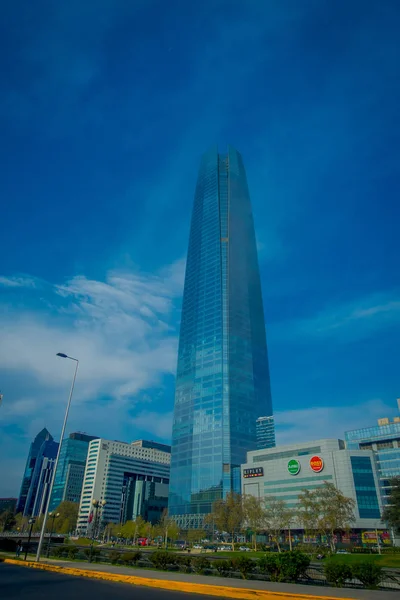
[293,466]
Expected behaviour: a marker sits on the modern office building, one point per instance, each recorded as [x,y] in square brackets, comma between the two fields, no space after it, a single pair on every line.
[384,440]
[222,383]
[42,447]
[68,481]
[265,431]
[8,504]
[132,479]
[284,472]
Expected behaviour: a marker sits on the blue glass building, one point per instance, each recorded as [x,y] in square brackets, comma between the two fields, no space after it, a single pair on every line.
[68,481]
[384,440]
[222,383]
[265,431]
[36,450]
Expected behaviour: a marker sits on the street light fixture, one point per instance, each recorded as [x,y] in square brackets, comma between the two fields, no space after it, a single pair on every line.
[53,516]
[42,533]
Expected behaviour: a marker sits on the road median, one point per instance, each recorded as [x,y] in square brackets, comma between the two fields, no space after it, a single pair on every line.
[174,585]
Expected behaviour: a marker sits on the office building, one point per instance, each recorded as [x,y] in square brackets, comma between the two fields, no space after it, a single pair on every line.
[384,440]
[222,383]
[68,481]
[284,472]
[265,431]
[131,478]
[42,451]
[8,504]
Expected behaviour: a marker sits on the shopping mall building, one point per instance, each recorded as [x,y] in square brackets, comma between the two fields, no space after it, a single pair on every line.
[286,471]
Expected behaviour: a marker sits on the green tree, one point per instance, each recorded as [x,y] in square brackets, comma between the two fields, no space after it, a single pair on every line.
[7,520]
[168,527]
[391,512]
[326,510]
[277,517]
[21,522]
[67,517]
[128,530]
[254,515]
[228,514]
[195,535]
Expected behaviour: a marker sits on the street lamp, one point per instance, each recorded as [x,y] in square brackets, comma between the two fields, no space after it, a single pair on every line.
[98,507]
[53,516]
[31,523]
[58,456]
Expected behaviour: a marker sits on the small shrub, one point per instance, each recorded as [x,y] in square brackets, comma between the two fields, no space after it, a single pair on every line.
[60,551]
[93,555]
[293,564]
[201,564]
[270,564]
[224,567]
[131,558]
[114,557]
[244,565]
[337,573]
[369,573]
[184,563]
[161,559]
[72,552]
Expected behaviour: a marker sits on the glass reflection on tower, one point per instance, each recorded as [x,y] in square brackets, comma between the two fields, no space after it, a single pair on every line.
[222,383]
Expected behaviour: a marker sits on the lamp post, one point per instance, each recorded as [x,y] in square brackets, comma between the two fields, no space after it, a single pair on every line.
[53,516]
[58,455]
[97,507]
[31,523]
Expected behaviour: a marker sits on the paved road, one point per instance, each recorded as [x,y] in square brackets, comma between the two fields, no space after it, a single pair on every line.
[32,584]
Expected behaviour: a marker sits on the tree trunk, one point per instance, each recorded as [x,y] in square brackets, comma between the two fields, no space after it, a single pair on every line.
[278,544]
[233,541]
[255,541]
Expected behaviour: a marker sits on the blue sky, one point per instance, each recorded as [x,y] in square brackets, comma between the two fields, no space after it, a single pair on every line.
[105,109]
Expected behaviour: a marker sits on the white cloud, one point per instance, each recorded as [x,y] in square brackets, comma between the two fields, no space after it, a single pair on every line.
[14,282]
[123,331]
[352,320]
[155,423]
[320,422]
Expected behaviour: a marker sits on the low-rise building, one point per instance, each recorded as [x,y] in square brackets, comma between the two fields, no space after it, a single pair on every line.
[285,471]
[131,479]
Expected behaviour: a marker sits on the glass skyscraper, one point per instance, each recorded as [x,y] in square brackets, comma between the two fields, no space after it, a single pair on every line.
[42,447]
[68,481]
[223,382]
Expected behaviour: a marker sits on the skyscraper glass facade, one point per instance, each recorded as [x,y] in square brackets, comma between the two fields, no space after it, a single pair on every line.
[222,383]
[265,430]
[384,440]
[29,482]
[68,481]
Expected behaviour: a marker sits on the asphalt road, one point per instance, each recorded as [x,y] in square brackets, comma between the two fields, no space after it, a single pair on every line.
[33,584]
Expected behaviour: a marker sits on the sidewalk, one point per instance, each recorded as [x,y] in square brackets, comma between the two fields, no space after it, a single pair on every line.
[218,585]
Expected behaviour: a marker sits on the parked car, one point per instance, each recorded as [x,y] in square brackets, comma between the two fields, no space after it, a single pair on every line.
[244,549]
[197,547]
[342,552]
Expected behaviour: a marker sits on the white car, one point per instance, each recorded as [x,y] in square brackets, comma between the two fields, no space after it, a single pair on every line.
[244,549]
[198,547]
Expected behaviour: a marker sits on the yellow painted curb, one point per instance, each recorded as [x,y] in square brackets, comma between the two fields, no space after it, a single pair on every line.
[178,586]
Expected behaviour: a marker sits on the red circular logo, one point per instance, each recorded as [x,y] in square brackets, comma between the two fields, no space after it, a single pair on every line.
[316,464]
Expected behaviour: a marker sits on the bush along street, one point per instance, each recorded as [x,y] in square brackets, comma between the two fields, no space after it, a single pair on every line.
[291,566]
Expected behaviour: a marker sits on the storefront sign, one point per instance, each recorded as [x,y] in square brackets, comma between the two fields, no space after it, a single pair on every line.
[316,464]
[293,466]
[256,472]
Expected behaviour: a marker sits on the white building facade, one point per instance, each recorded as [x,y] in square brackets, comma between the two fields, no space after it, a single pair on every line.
[285,471]
[131,479]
